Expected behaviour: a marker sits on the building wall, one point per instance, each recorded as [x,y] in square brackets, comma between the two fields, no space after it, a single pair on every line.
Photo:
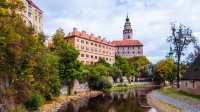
[129,51]
[90,50]
[32,15]
[190,86]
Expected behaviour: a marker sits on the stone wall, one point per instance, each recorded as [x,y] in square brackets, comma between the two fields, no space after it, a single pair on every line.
[80,87]
[77,88]
[190,86]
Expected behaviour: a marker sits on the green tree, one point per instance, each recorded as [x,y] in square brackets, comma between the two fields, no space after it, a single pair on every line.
[122,64]
[58,39]
[103,61]
[69,67]
[181,37]
[115,72]
[139,64]
[166,70]
[26,65]
[101,69]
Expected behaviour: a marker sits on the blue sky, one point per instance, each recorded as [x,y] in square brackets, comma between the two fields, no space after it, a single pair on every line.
[150,19]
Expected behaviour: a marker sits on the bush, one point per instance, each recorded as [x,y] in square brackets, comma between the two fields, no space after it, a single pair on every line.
[35,102]
[99,83]
[19,108]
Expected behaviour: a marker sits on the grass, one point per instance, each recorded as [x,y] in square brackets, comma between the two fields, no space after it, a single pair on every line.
[173,92]
[123,87]
[170,105]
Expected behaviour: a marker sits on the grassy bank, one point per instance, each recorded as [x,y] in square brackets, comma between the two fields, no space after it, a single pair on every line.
[173,92]
[160,105]
[123,87]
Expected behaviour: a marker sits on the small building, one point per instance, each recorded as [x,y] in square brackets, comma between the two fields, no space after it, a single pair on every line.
[91,47]
[128,47]
[191,79]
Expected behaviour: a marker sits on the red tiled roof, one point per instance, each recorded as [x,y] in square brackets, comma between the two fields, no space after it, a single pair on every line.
[127,42]
[84,35]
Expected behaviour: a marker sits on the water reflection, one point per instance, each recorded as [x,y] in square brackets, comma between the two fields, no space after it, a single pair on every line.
[132,100]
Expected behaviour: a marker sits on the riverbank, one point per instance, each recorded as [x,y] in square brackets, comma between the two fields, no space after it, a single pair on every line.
[57,102]
[121,87]
[172,100]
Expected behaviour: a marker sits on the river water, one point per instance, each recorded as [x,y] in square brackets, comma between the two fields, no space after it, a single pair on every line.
[131,100]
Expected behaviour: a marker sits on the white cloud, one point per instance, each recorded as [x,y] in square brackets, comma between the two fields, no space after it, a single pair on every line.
[150,19]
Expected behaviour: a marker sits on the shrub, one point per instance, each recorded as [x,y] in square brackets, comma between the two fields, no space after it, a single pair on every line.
[35,102]
[99,83]
[19,108]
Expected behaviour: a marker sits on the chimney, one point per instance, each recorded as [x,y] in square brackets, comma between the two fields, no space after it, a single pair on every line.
[92,34]
[84,32]
[75,29]
[99,37]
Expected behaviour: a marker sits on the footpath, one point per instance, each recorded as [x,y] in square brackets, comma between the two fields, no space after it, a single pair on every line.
[165,103]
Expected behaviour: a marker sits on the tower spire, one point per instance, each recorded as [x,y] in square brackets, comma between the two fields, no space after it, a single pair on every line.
[127,18]
[128,31]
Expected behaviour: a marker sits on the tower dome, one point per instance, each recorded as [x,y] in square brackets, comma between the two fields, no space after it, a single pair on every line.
[128,31]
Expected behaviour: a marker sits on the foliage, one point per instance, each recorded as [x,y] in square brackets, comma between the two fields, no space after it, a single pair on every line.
[101,69]
[114,72]
[103,62]
[98,82]
[35,102]
[181,37]
[166,70]
[69,67]
[122,64]
[8,8]
[19,108]
[140,65]
[26,64]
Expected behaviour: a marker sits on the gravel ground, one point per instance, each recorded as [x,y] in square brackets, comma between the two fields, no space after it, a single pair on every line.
[187,105]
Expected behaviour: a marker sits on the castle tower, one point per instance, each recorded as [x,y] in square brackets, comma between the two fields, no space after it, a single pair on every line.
[128,31]
[170,54]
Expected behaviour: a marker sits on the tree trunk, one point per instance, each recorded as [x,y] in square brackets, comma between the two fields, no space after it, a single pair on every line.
[178,73]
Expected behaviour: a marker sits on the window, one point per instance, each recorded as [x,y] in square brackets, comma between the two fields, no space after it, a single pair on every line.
[86,42]
[35,18]
[87,55]
[96,57]
[77,40]
[29,11]
[91,43]
[82,41]
[82,47]
[96,45]
[92,49]
[91,56]
[82,55]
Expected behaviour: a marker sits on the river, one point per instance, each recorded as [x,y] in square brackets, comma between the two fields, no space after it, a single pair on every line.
[131,100]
